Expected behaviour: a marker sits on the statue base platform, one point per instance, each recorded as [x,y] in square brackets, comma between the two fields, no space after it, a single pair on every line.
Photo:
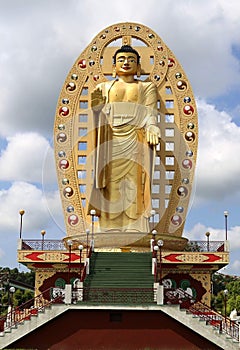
[126,241]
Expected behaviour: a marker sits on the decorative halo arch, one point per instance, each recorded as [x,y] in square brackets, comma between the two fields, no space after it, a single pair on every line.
[177,119]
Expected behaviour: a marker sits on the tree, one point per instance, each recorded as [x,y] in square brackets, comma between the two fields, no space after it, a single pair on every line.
[232,285]
[23,293]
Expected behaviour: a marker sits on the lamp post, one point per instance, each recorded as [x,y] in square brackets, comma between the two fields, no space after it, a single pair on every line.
[207,234]
[225,303]
[226,226]
[12,291]
[92,213]
[154,233]
[80,247]
[160,245]
[155,249]
[69,243]
[87,232]
[152,212]
[43,232]
[21,212]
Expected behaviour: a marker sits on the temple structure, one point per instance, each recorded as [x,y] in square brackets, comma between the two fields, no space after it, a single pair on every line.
[106,275]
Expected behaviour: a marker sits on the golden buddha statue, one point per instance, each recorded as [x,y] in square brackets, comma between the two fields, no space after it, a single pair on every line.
[124,111]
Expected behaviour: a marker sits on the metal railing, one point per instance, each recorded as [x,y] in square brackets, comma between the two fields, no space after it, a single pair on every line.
[224,324]
[38,244]
[205,246]
[119,296]
[202,311]
[192,246]
[31,308]
[86,265]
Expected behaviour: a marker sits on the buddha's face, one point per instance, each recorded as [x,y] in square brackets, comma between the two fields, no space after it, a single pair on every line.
[126,63]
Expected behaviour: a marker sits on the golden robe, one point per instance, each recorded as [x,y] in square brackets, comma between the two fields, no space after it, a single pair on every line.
[124,161]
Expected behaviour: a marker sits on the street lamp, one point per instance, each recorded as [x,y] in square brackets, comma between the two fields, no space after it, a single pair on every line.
[87,232]
[80,247]
[21,212]
[154,233]
[12,291]
[225,303]
[155,249]
[92,213]
[207,234]
[152,212]
[69,243]
[226,226]
[43,232]
[160,245]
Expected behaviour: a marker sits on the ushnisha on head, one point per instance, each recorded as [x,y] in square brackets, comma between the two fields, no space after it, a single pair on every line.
[126,49]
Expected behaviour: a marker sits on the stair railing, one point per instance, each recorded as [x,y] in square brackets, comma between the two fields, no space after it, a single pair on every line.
[202,311]
[212,317]
[86,265]
[77,290]
[30,308]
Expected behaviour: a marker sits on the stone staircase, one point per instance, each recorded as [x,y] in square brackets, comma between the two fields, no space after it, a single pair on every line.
[194,323]
[23,328]
[128,276]
[116,276]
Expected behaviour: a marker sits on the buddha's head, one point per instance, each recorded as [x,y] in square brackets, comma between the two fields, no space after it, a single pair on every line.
[126,61]
[126,49]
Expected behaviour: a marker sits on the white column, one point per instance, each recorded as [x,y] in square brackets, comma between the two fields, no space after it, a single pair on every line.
[87,262]
[68,294]
[160,295]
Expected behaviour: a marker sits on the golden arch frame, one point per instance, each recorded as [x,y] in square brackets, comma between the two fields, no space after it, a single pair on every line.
[177,118]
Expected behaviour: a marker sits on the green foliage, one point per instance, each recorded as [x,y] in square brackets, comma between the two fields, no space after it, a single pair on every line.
[219,299]
[16,275]
[20,296]
[192,247]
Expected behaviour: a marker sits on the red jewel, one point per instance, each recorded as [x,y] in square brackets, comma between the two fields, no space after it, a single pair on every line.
[187,164]
[64,111]
[68,192]
[63,164]
[171,62]
[176,220]
[188,110]
[73,220]
[82,63]
[71,86]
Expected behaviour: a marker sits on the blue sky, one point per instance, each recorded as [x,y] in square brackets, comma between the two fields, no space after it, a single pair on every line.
[39,43]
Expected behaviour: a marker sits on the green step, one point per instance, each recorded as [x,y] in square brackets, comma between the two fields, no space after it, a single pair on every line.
[109,272]
[122,278]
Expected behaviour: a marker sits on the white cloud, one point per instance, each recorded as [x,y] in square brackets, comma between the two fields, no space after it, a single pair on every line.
[201,35]
[22,195]
[198,231]
[24,157]
[218,170]
[36,57]
[42,212]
